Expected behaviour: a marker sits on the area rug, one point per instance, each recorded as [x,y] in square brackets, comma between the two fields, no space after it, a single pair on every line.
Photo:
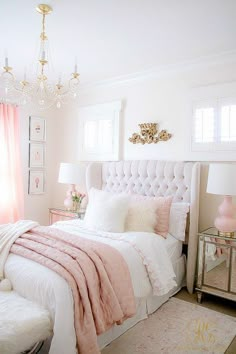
[178,327]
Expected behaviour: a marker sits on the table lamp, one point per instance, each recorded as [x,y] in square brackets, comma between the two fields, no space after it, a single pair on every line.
[69,173]
[222,181]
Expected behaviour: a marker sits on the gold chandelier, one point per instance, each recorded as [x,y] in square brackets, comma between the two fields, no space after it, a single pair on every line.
[39,93]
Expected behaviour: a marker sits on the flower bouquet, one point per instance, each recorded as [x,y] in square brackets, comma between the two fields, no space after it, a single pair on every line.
[77,198]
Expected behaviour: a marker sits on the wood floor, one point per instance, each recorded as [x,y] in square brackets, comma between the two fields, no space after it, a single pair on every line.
[213,303]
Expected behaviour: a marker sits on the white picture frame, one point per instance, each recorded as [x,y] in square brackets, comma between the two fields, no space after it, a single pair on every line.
[36,182]
[36,155]
[99,132]
[37,129]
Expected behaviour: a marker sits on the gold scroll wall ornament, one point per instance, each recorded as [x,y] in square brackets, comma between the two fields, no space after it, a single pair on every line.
[149,134]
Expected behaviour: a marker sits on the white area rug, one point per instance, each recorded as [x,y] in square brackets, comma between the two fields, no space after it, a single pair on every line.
[178,327]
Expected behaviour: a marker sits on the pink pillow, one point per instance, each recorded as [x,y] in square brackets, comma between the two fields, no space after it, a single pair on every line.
[163,215]
[163,212]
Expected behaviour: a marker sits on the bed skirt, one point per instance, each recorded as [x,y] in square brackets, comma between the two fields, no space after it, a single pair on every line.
[146,306]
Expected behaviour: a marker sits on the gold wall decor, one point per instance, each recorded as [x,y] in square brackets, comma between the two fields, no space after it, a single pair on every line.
[149,134]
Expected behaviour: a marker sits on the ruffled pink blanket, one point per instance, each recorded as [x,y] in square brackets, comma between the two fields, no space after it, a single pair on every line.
[97,274]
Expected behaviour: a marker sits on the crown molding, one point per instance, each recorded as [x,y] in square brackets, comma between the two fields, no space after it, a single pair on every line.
[162,71]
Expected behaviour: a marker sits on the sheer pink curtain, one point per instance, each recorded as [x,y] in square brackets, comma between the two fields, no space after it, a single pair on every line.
[11,181]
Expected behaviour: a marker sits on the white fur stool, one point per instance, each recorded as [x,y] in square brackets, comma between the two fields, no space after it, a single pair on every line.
[22,323]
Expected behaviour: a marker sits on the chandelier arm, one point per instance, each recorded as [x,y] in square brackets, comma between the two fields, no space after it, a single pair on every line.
[7,70]
[59,93]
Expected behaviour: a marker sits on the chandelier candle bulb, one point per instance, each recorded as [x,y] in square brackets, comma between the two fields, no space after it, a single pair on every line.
[43,55]
[6,62]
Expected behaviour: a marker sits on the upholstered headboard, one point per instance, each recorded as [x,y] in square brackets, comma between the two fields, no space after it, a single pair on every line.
[155,178]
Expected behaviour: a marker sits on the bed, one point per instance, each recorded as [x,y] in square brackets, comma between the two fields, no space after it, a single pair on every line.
[151,178]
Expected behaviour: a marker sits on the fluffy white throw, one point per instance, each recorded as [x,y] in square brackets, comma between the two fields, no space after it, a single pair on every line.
[8,234]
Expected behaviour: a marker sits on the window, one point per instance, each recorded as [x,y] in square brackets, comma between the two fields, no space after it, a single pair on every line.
[228,123]
[99,132]
[214,125]
[98,135]
[204,125]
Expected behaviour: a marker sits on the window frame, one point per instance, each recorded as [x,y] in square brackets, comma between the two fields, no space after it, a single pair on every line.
[105,111]
[217,145]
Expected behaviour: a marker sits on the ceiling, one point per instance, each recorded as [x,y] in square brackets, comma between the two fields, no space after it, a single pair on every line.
[112,38]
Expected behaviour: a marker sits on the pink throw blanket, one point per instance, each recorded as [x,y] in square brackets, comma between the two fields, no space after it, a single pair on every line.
[97,274]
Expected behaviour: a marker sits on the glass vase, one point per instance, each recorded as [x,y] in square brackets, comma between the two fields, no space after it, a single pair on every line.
[76,206]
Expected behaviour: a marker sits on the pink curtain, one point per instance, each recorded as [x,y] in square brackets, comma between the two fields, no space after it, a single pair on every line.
[11,181]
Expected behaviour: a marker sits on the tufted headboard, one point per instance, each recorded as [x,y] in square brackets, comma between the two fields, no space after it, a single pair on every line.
[155,178]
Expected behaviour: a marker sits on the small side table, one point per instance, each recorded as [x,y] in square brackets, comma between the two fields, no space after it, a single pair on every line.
[60,214]
[216,274]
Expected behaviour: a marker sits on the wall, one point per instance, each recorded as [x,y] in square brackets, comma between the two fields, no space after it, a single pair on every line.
[36,206]
[157,98]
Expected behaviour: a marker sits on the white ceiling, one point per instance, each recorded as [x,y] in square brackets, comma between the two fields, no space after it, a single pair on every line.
[117,37]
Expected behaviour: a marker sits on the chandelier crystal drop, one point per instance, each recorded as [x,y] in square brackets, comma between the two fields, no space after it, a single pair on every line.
[40,93]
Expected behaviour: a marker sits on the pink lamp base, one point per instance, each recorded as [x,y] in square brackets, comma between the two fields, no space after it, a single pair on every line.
[68,202]
[225,222]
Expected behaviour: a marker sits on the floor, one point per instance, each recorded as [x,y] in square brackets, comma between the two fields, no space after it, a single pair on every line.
[216,304]
[211,302]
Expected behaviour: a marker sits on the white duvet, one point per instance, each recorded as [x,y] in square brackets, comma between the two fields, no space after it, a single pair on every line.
[146,256]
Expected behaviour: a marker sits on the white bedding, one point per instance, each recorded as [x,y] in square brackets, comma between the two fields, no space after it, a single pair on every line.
[149,258]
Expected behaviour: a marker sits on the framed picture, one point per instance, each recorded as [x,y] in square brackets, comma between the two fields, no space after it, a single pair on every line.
[36,155]
[36,182]
[37,129]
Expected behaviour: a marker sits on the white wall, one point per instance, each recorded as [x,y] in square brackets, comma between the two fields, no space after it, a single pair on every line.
[164,99]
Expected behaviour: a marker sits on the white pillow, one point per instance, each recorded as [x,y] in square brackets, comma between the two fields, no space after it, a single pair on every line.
[141,216]
[178,219]
[106,211]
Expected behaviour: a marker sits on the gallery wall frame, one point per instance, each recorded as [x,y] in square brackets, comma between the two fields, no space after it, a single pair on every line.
[36,155]
[37,129]
[36,183]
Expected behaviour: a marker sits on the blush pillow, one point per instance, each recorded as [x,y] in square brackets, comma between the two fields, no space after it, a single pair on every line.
[106,211]
[178,220]
[162,211]
[141,216]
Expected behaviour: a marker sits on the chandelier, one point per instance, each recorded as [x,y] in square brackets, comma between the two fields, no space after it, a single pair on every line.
[40,93]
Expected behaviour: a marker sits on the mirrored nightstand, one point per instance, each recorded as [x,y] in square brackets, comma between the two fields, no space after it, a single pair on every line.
[216,265]
[60,214]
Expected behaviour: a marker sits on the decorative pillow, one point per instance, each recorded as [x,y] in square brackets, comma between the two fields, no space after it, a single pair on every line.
[141,216]
[178,220]
[162,212]
[106,211]
[163,215]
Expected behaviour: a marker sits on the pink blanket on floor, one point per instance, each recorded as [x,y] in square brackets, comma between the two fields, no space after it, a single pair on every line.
[97,274]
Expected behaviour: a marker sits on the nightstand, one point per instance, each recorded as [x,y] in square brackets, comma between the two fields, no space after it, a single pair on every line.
[216,265]
[60,214]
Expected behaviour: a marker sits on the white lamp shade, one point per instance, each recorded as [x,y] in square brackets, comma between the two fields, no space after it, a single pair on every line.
[222,179]
[70,173]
